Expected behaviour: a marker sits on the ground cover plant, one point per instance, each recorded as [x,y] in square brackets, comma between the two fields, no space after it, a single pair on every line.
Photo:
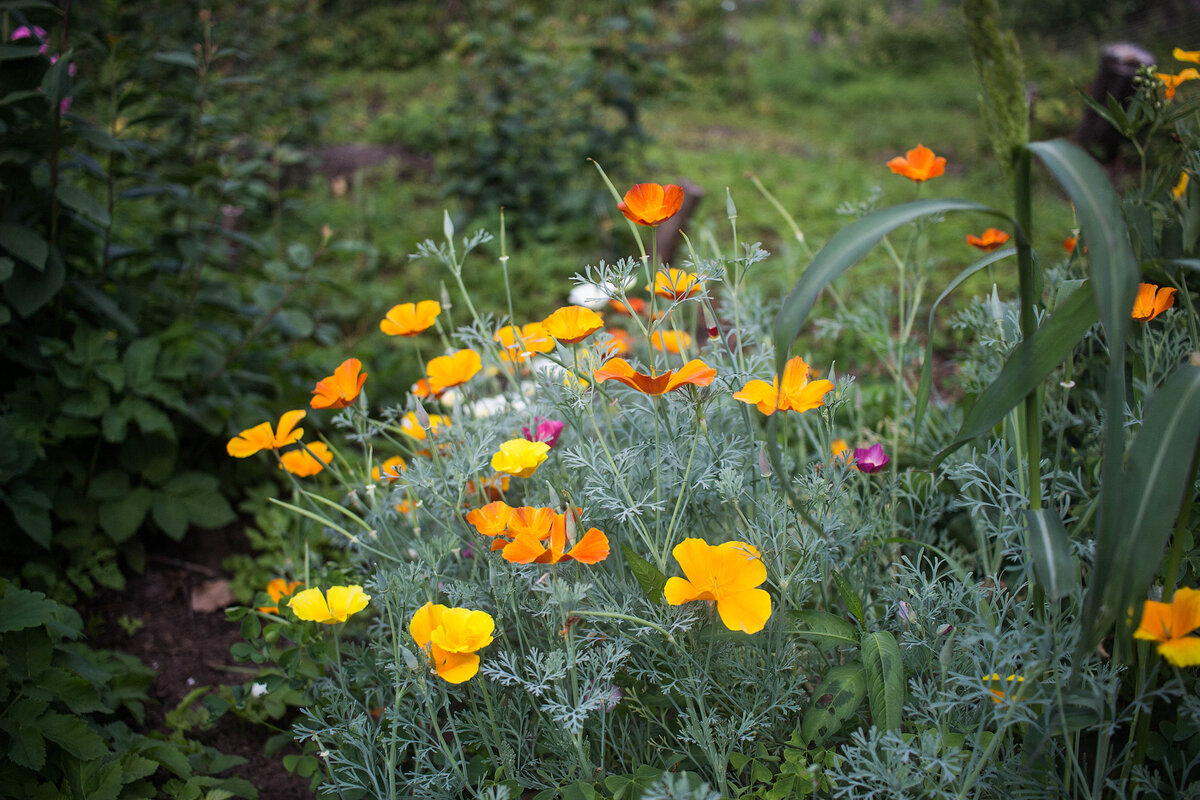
[647,545]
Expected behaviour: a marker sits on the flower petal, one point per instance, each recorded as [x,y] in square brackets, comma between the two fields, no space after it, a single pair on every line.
[746,611]
[591,549]
[679,591]
[428,617]
[310,605]
[345,601]
[454,667]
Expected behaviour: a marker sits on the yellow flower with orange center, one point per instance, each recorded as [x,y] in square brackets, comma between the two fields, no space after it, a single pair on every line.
[918,164]
[671,341]
[675,284]
[1171,625]
[409,319]
[279,588]
[651,204]
[336,605]
[517,344]
[264,437]
[572,324]
[520,457]
[451,637]
[991,239]
[341,388]
[303,463]
[726,574]
[796,394]
[453,370]
[1151,301]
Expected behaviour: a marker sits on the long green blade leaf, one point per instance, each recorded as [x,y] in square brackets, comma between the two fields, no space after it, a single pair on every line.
[926,383]
[885,678]
[1028,366]
[1050,548]
[1152,492]
[847,247]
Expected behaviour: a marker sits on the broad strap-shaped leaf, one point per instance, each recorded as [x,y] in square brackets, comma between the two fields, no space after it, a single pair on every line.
[1050,549]
[1030,363]
[847,247]
[834,701]
[648,576]
[824,628]
[1155,485]
[885,678]
[926,383]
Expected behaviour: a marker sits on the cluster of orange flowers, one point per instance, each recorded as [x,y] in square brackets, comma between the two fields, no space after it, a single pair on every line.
[537,535]
[1170,81]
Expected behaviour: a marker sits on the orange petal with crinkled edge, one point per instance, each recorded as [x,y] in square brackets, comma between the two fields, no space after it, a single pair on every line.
[651,203]
[694,372]
[524,550]
[492,519]
[251,441]
[453,370]
[409,319]
[532,521]
[341,388]
[809,396]
[591,549]
[572,324]
[620,370]
[761,394]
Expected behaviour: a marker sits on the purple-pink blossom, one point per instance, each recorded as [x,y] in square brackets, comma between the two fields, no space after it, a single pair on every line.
[36,33]
[871,459]
[548,431]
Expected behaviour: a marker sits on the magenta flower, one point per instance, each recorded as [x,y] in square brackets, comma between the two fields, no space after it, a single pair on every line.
[548,431]
[39,34]
[871,459]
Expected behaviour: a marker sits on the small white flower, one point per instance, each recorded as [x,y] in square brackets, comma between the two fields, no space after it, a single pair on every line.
[588,296]
[258,690]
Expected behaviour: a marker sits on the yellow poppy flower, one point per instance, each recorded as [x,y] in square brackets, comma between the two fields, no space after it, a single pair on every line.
[336,605]
[450,636]
[675,284]
[994,680]
[389,469]
[517,344]
[409,319]
[264,437]
[796,394]
[341,388]
[410,426]
[279,588]
[572,324]
[726,574]
[671,341]
[520,457]
[1180,186]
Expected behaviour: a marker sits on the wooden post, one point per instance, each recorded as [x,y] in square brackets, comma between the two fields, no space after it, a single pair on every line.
[1118,64]
[667,235]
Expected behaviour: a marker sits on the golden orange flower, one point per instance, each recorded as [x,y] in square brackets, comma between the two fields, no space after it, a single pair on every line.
[726,574]
[1170,624]
[1180,54]
[301,462]
[1151,301]
[841,450]
[797,393]
[620,344]
[918,164]
[341,388]
[994,680]
[1180,186]
[453,370]
[451,637]
[517,344]
[651,204]
[520,457]
[636,306]
[592,548]
[675,284]
[409,319]
[493,488]
[422,390]
[531,521]
[410,426]
[1069,244]
[492,519]
[263,437]
[279,588]
[1172,82]
[671,341]
[991,239]
[572,324]
[389,469]
[694,373]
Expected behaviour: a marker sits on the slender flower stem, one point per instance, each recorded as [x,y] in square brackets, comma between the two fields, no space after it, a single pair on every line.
[1032,419]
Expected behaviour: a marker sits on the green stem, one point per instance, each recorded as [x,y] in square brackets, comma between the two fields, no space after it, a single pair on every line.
[1028,293]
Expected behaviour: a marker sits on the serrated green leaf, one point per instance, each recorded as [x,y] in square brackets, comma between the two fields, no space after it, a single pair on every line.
[884,668]
[73,735]
[25,244]
[648,576]
[121,518]
[834,701]
[1050,548]
[21,609]
[824,628]
[27,748]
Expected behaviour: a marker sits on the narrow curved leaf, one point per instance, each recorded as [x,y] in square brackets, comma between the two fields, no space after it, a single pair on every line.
[853,602]
[847,247]
[648,576]
[834,701]
[1028,366]
[1154,486]
[884,669]
[1050,549]
[824,628]
[925,385]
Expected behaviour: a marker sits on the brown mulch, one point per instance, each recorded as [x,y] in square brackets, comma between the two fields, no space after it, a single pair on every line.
[189,649]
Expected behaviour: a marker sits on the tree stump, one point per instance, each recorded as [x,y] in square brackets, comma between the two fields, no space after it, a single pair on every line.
[666,235]
[1118,64]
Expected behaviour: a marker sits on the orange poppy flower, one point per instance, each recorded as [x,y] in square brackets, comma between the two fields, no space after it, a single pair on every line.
[341,388]
[492,519]
[991,239]
[409,319]
[726,574]
[1151,301]
[1069,244]
[918,164]
[1172,82]
[620,344]
[840,450]
[797,393]
[1170,624]
[302,463]
[528,548]
[636,306]
[675,284]
[572,324]
[389,469]
[451,637]
[263,437]
[695,373]
[651,204]
[493,488]
[533,521]
[410,426]
[517,344]
[422,390]
[279,588]
[453,370]
[671,341]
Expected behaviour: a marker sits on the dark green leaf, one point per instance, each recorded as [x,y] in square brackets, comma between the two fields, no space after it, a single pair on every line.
[56,83]
[76,198]
[140,358]
[170,515]
[834,701]
[1050,548]
[73,735]
[648,576]
[28,289]
[849,596]
[21,609]
[24,243]
[10,52]
[824,628]
[180,58]
[28,748]
[121,518]
[884,670]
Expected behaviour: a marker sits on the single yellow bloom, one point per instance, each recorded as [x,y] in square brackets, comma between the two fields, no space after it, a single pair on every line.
[450,636]
[573,324]
[389,469]
[1172,82]
[675,284]
[520,457]
[336,605]
[409,319]
[1186,55]
[841,450]
[279,588]
[517,344]
[726,574]
[264,437]
[1180,186]
[1170,624]
[453,370]
[302,463]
